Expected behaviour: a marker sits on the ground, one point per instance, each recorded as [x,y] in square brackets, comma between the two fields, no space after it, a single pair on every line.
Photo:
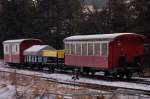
[25,84]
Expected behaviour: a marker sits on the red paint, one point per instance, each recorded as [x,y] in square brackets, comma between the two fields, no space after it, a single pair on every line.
[130,44]
[6,57]
[18,58]
[15,58]
[88,61]
[26,44]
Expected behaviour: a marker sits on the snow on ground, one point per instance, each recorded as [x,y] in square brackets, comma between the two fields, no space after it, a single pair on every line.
[68,78]
[7,92]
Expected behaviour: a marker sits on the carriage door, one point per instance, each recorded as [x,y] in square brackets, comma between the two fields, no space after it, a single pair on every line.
[122,58]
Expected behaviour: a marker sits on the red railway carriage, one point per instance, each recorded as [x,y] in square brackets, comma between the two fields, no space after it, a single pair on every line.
[104,51]
[13,49]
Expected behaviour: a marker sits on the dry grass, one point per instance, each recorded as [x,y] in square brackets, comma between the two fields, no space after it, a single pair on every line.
[35,91]
[101,97]
[82,97]
[58,97]
[29,87]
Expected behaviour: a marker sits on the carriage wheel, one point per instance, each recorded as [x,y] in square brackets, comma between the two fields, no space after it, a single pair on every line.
[121,75]
[51,69]
[93,73]
[106,73]
[129,75]
[114,75]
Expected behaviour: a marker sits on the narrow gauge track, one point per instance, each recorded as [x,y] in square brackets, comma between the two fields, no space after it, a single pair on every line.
[133,80]
[96,77]
[112,79]
[90,85]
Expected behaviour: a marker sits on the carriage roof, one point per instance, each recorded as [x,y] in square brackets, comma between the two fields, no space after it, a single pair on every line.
[36,49]
[107,37]
[18,40]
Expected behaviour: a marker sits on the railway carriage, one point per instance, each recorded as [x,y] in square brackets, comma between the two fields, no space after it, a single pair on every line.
[13,49]
[33,56]
[116,54]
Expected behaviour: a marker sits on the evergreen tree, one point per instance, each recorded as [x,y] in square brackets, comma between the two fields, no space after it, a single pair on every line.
[94,22]
[141,14]
[118,17]
[17,18]
[62,18]
[49,20]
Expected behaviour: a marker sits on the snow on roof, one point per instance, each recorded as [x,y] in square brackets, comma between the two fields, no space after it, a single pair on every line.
[97,36]
[36,49]
[17,40]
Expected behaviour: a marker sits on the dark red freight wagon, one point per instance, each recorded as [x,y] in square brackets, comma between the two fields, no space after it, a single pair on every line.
[117,54]
[13,49]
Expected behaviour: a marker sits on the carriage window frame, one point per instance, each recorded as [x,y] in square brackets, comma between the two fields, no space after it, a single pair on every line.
[95,49]
[78,48]
[15,48]
[72,48]
[90,50]
[45,59]
[26,58]
[32,58]
[29,58]
[85,51]
[67,48]
[6,48]
[40,59]
[104,52]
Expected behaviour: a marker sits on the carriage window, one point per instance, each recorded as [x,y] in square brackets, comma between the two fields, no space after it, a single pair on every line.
[72,48]
[6,48]
[29,57]
[39,59]
[84,49]
[35,58]
[45,59]
[67,48]
[78,49]
[90,48]
[32,58]
[97,49]
[16,48]
[104,49]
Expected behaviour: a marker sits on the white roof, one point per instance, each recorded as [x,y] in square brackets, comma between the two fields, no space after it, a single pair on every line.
[97,36]
[36,49]
[17,40]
